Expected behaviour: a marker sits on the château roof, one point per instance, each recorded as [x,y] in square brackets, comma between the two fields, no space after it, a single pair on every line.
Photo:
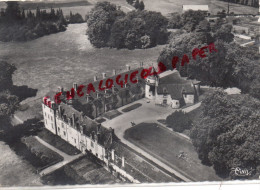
[89,126]
[172,83]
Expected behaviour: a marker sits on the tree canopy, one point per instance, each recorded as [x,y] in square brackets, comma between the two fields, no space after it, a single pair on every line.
[108,26]
[227,134]
[178,121]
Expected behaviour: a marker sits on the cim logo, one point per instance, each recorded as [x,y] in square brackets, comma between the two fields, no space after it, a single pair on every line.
[241,172]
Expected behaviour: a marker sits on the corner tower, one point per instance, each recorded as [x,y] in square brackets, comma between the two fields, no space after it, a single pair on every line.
[151,83]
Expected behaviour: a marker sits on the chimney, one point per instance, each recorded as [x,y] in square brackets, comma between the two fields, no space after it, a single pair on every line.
[114,72]
[95,78]
[75,86]
[87,97]
[123,161]
[81,129]
[73,119]
[60,89]
[127,67]
[112,134]
[104,75]
[113,88]
[113,154]
[98,128]
[59,110]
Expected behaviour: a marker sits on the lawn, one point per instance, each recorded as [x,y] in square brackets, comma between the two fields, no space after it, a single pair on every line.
[132,107]
[57,142]
[15,171]
[166,147]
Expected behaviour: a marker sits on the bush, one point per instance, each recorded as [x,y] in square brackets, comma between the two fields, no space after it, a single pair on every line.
[178,121]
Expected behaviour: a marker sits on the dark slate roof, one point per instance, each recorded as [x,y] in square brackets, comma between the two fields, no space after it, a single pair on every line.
[173,78]
[175,90]
[174,85]
[118,88]
[88,125]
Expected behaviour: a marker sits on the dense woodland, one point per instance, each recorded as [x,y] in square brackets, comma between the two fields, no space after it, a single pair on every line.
[227,133]
[108,26]
[16,24]
[253,3]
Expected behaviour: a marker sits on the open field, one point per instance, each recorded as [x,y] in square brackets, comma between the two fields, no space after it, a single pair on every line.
[167,147]
[169,6]
[16,171]
[63,58]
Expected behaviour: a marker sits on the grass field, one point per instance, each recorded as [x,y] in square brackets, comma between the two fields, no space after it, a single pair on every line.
[169,6]
[14,170]
[167,147]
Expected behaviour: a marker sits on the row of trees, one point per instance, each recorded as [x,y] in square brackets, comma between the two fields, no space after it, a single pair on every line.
[136,4]
[108,26]
[227,134]
[18,25]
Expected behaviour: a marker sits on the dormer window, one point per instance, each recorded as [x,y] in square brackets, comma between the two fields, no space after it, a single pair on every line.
[164,90]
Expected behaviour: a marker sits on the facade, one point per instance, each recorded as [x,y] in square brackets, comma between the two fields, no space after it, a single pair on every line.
[86,135]
[170,89]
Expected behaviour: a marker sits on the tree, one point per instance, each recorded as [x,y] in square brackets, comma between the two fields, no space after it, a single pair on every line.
[190,19]
[226,135]
[100,21]
[178,121]
[141,6]
[175,21]
[126,31]
[137,4]
[6,72]
[224,33]
[12,11]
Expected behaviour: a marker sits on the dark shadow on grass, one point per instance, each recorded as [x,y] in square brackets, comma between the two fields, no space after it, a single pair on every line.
[23,92]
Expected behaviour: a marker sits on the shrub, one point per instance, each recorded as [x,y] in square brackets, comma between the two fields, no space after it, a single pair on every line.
[178,121]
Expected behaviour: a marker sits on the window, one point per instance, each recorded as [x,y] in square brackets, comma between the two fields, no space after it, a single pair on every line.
[51,117]
[92,144]
[185,95]
[177,103]
[64,133]
[46,121]
[75,140]
[62,125]
[58,129]
[52,125]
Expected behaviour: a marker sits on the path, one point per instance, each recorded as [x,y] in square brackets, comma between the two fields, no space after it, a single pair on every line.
[66,158]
